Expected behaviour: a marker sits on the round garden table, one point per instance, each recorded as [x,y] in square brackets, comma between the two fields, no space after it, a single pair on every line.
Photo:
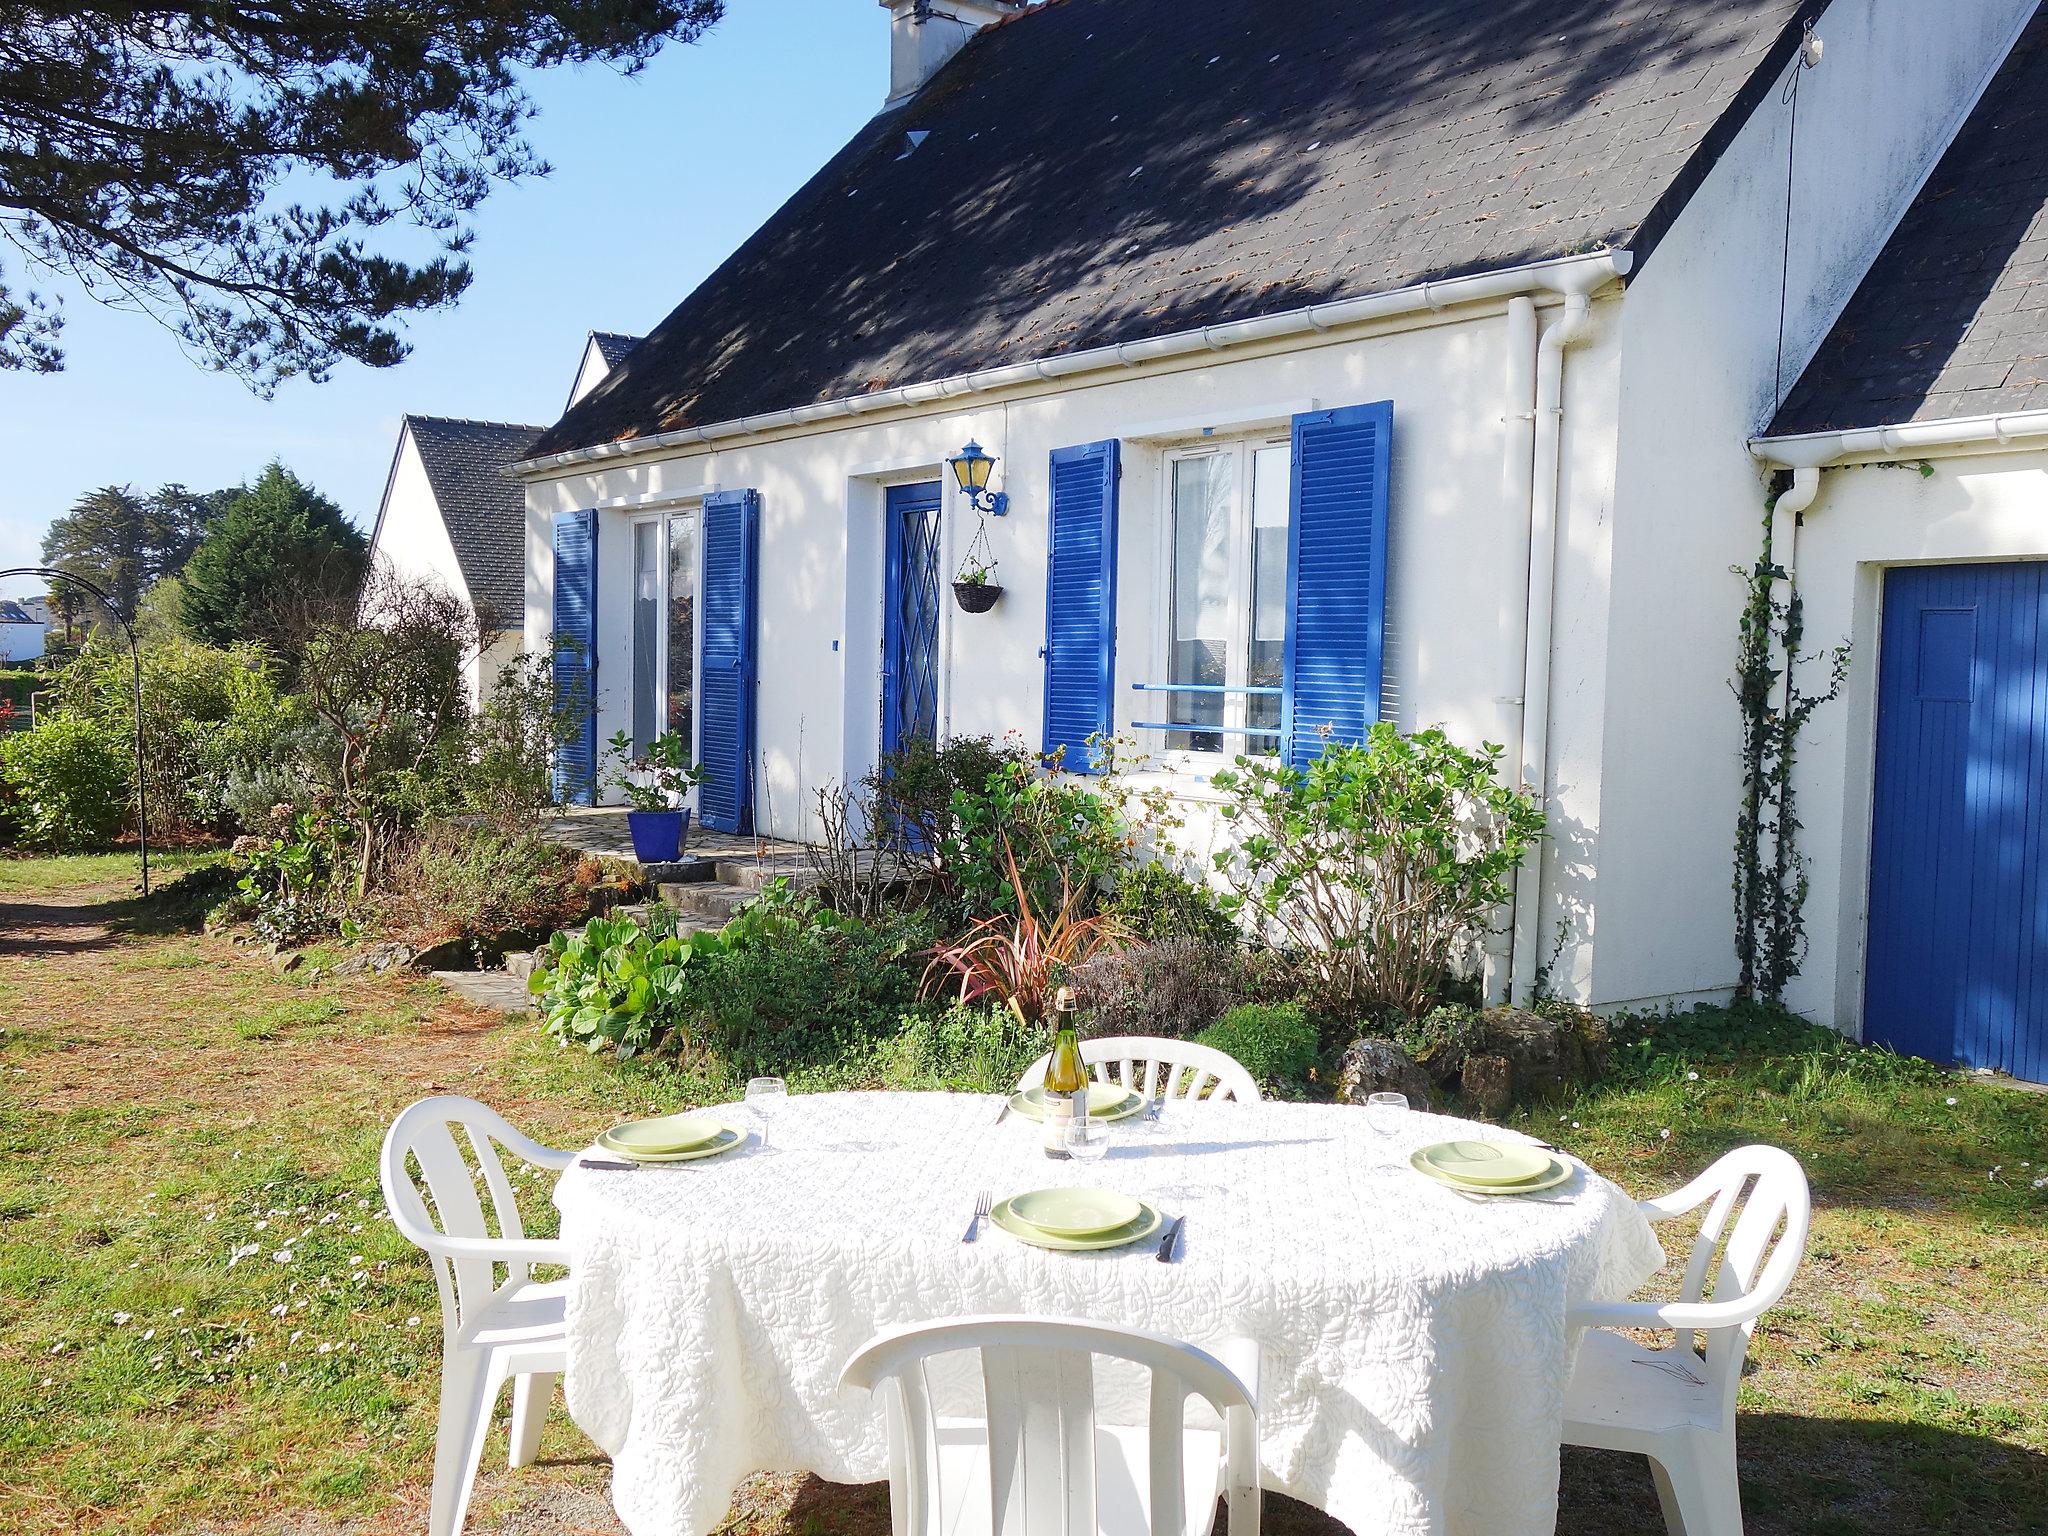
[1415,1348]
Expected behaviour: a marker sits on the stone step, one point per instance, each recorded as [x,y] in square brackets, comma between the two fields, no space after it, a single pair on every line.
[755,874]
[712,900]
[519,964]
[487,989]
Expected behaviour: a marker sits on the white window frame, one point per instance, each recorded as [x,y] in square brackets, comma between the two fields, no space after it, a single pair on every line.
[661,517]
[1181,760]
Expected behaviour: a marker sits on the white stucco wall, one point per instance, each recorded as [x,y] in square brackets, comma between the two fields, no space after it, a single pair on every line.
[21,642]
[1975,508]
[1455,541]
[1698,378]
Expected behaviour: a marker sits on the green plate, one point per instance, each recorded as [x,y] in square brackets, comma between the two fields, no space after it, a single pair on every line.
[664,1133]
[1487,1162]
[1149,1221]
[1559,1172]
[1106,1101]
[726,1138]
[1075,1212]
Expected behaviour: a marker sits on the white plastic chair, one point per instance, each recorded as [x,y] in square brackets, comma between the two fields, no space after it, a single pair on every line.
[1180,1069]
[1677,1405]
[490,1331]
[1040,1464]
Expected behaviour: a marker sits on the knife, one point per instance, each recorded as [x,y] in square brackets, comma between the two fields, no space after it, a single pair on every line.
[592,1162]
[1172,1236]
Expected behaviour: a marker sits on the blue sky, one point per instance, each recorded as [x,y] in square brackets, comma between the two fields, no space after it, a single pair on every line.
[656,179]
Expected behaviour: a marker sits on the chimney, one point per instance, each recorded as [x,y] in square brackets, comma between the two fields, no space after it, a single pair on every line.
[923,34]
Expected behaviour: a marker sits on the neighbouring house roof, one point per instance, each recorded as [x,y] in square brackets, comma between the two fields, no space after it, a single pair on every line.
[1098,171]
[613,346]
[12,612]
[483,510]
[1952,318]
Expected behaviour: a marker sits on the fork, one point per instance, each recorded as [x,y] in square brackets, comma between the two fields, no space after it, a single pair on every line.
[981,1209]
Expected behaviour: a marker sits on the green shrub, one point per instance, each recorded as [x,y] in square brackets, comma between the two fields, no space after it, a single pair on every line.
[797,985]
[961,1050]
[68,784]
[484,883]
[913,787]
[1174,988]
[293,887]
[208,714]
[1063,834]
[1155,902]
[1450,1031]
[1275,1042]
[1380,864]
[1782,1051]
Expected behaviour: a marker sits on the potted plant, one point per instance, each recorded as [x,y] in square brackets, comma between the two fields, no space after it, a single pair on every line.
[976,589]
[654,784]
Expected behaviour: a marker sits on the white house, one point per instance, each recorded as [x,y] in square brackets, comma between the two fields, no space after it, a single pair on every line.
[22,630]
[1917,446]
[1352,361]
[451,515]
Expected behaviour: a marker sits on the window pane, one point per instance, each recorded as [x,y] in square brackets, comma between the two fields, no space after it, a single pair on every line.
[682,627]
[1270,466]
[646,632]
[1199,638]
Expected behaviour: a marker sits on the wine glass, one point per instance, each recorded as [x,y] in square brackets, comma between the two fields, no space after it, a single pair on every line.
[1087,1140]
[762,1094]
[1384,1115]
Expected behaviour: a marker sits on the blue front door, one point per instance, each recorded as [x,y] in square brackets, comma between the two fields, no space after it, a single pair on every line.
[1958,937]
[910,616]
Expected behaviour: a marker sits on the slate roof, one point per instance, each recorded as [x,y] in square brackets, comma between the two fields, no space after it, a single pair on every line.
[483,510]
[613,346]
[1952,318]
[12,612]
[1099,171]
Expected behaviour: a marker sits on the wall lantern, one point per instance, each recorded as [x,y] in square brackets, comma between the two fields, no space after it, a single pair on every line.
[971,469]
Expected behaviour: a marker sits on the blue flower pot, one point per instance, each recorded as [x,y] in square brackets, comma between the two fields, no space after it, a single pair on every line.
[658,835]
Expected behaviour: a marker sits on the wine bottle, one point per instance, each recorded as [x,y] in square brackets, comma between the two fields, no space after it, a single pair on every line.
[1066,1080]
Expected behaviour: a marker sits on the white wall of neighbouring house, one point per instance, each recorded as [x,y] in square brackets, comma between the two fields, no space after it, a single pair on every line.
[1457,536]
[1699,376]
[1979,507]
[412,537]
[21,642]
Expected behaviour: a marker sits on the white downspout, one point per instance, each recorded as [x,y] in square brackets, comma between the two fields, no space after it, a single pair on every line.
[1517,488]
[1567,330]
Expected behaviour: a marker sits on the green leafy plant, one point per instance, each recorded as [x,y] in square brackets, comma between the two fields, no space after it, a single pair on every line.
[68,784]
[1016,959]
[1770,882]
[912,789]
[959,1050]
[1156,902]
[1027,832]
[292,888]
[657,779]
[1275,1042]
[1377,862]
[614,983]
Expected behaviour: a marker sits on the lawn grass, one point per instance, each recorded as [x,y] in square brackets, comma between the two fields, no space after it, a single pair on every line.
[205,1323]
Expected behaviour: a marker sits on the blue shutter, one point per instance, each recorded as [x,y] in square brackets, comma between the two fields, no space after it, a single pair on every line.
[725,664]
[1336,577]
[1080,601]
[575,628]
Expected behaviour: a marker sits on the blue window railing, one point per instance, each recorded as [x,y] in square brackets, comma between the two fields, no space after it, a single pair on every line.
[1204,727]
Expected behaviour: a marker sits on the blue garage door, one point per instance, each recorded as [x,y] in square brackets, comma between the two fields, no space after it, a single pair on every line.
[1958,963]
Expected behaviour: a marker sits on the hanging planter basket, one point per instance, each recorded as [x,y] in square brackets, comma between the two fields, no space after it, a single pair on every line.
[976,596]
[982,592]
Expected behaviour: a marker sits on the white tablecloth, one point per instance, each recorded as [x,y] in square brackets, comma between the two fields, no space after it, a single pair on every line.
[1415,1348]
